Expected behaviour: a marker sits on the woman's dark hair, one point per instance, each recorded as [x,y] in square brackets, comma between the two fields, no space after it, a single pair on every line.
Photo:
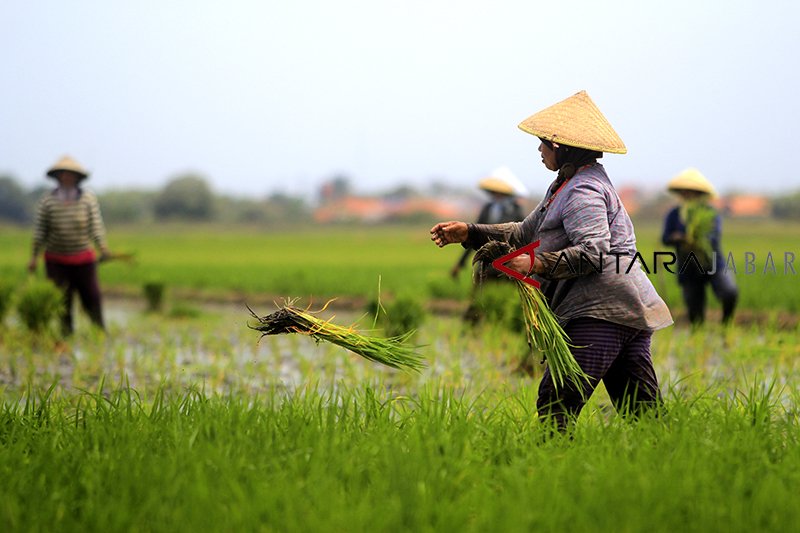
[570,159]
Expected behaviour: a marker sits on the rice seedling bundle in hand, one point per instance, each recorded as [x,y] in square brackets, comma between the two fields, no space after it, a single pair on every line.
[541,325]
[699,217]
[389,351]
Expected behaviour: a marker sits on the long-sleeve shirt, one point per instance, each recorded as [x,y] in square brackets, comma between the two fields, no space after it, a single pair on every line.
[68,226]
[577,224]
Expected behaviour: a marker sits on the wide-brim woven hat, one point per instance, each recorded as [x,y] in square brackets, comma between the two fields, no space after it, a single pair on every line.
[492,184]
[67,163]
[502,180]
[577,122]
[691,179]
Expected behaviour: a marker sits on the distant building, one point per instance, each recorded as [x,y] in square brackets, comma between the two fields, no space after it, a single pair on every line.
[372,209]
[351,209]
[747,205]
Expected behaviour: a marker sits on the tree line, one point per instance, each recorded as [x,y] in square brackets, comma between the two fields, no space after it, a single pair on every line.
[184,198]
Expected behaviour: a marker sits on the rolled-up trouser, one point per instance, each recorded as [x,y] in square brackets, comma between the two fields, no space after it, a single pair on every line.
[616,354]
[80,278]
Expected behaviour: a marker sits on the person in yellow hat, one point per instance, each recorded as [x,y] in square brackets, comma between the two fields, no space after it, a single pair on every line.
[694,228]
[68,224]
[502,206]
[608,313]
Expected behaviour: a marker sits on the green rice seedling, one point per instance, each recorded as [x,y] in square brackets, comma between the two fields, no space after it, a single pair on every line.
[699,219]
[366,458]
[496,304]
[6,295]
[447,288]
[405,314]
[391,351]
[184,310]
[542,327]
[39,302]
[154,295]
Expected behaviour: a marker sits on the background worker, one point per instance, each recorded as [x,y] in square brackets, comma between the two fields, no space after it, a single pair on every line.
[503,187]
[502,206]
[68,223]
[695,227]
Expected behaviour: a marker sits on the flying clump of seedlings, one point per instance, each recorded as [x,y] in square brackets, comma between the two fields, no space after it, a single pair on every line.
[390,351]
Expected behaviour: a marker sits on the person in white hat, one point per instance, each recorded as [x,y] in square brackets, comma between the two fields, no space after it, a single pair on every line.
[608,314]
[502,206]
[68,223]
[694,228]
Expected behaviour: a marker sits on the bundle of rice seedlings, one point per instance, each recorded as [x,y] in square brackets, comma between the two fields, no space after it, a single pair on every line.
[699,217]
[390,351]
[542,328]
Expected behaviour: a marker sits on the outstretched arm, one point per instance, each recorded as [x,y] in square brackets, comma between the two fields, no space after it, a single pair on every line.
[450,232]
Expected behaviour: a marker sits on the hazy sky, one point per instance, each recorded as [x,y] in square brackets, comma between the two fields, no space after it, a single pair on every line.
[269,95]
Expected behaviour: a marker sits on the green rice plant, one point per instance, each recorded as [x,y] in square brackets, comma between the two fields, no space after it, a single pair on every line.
[447,288]
[405,314]
[699,217]
[367,458]
[154,295]
[6,297]
[391,351]
[542,327]
[39,302]
[494,301]
[184,310]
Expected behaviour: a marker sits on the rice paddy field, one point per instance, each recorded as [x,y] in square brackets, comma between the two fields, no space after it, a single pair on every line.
[185,419]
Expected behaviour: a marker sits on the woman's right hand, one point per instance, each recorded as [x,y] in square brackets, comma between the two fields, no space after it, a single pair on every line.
[445,233]
[32,266]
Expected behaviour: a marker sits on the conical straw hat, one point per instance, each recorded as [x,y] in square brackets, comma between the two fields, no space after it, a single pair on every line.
[493,184]
[67,163]
[504,174]
[691,180]
[577,122]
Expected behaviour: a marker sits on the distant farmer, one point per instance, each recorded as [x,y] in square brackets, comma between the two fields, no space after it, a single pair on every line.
[68,223]
[501,206]
[609,316]
[694,228]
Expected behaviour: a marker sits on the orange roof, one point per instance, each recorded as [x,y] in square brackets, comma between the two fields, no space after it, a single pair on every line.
[350,208]
[426,205]
[748,205]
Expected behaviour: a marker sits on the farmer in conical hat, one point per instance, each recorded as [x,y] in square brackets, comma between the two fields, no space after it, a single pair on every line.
[68,223]
[503,187]
[608,314]
[694,228]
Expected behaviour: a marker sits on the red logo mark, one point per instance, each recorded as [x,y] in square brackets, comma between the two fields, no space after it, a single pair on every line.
[499,264]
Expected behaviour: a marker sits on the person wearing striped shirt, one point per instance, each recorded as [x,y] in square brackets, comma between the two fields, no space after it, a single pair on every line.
[68,229]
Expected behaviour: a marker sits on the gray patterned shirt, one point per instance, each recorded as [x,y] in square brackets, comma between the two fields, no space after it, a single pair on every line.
[581,227]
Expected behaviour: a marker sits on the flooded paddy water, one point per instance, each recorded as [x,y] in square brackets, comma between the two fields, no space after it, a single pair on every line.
[209,346]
